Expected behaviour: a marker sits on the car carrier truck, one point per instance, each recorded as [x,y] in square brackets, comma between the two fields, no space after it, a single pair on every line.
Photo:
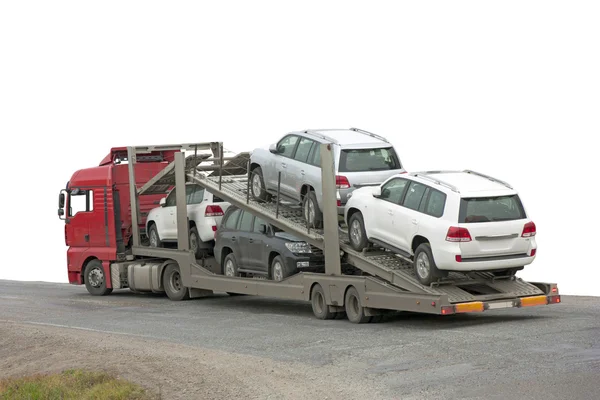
[108,247]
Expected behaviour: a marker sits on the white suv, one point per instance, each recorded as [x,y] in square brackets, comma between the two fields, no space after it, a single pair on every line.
[204,210]
[444,221]
[361,159]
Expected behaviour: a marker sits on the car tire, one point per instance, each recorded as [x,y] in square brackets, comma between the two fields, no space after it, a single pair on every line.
[356,232]
[95,279]
[278,270]
[173,284]
[425,269]
[153,237]
[257,185]
[319,305]
[310,203]
[195,241]
[354,309]
[230,267]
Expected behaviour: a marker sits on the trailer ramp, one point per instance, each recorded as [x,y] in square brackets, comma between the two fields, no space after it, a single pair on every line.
[459,287]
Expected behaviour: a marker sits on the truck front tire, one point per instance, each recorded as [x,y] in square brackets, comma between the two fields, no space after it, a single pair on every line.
[95,279]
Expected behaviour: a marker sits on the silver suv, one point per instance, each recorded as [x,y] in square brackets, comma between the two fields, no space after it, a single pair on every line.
[361,159]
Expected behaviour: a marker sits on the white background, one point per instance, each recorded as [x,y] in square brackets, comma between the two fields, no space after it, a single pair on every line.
[508,88]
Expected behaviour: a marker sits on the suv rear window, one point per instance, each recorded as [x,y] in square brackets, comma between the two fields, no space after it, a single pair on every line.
[362,160]
[487,209]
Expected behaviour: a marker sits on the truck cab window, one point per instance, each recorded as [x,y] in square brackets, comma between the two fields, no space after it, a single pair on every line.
[80,201]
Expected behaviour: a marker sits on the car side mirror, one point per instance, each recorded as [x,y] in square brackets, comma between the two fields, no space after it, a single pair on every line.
[273,148]
[163,202]
[262,229]
[377,191]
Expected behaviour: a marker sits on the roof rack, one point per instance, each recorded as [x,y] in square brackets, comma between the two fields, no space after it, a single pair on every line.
[468,171]
[373,135]
[438,181]
[316,132]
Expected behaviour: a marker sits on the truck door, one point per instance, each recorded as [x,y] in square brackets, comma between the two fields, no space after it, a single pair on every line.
[80,217]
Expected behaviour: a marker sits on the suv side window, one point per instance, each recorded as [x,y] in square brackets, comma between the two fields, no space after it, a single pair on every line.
[435,203]
[304,147]
[392,191]
[171,199]
[414,195]
[231,219]
[314,158]
[195,194]
[246,222]
[286,146]
[257,223]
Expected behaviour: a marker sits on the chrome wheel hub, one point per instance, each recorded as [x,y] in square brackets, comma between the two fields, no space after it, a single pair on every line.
[256,185]
[277,272]
[96,277]
[229,270]
[423,265]
[153,239]
[355,232]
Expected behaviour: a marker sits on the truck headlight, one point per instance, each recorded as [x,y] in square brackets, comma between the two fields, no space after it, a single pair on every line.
[298,247]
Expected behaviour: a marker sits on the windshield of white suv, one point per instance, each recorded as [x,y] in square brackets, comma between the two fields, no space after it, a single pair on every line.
[486,209]
[362,160]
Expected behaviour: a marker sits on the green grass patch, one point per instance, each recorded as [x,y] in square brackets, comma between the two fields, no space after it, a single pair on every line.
[71,384]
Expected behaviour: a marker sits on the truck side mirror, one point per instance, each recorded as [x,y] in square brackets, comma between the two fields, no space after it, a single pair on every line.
[163,202]
[61,212]
[61,200]
[263,229]
[377,191]
[273,148]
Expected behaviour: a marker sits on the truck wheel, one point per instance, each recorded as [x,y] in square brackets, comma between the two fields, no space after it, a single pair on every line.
[173,284]
[153,237]
[356,232]
[354,309]
[257,185]
[230,267]
[312,214]
[425,268]
[319,305]
[95,280]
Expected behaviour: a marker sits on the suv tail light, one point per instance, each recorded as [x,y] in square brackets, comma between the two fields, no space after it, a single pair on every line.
[341,182]
[456,234]
[214,229]
[529,230]
[213,211]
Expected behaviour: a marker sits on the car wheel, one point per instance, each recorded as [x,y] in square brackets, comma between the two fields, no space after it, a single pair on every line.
[153,237]
[257,185]
[425,268]
[95,280]
[195,243]
[173,284]
[278,270]
[230,266]
[312,213]
[356,232]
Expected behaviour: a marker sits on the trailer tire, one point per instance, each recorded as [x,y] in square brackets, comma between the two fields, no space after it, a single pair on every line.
[319,304]
[425,269]
[173,284]
[354,309]
[356,232]
[310,202]
[95,280]
[153,237]
[257,186]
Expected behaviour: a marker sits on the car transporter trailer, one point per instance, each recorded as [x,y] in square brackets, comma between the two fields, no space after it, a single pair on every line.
[379,281]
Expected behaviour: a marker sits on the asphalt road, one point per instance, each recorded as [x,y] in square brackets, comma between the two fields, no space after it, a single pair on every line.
[550,352]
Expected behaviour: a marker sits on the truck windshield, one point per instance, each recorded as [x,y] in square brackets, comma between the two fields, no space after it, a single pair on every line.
[362,160]
[486,209]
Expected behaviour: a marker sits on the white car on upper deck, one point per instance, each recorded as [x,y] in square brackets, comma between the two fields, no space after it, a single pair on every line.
[361,159]
[444,221]
[204,210]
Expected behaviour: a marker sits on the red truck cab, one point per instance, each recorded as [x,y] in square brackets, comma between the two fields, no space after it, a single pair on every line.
[96,208]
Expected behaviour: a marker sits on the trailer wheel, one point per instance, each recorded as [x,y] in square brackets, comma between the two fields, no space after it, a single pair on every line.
[153,237]
[354,309]
[319,305]
[356,232]
[95,280]
[312,214]
[173,284]
[425,268]
[257,186]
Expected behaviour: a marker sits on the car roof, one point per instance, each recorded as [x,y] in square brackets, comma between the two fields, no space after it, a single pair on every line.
[467,182]
[344,137]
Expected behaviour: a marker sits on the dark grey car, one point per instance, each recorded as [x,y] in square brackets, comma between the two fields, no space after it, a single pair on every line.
[246,245]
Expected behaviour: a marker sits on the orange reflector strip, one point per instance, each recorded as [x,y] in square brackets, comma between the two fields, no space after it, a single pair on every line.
[475,306]
[534,301]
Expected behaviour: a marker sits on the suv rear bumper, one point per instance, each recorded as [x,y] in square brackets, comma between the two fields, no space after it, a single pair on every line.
[447,261]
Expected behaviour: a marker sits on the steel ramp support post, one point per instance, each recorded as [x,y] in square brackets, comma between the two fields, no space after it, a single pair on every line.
[330,215]
[183,236]
[133,197]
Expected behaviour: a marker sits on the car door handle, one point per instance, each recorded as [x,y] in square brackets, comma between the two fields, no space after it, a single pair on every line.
[414,221]
[302,172]
[390,212]
[250,240]
[233,238]
[283,165]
